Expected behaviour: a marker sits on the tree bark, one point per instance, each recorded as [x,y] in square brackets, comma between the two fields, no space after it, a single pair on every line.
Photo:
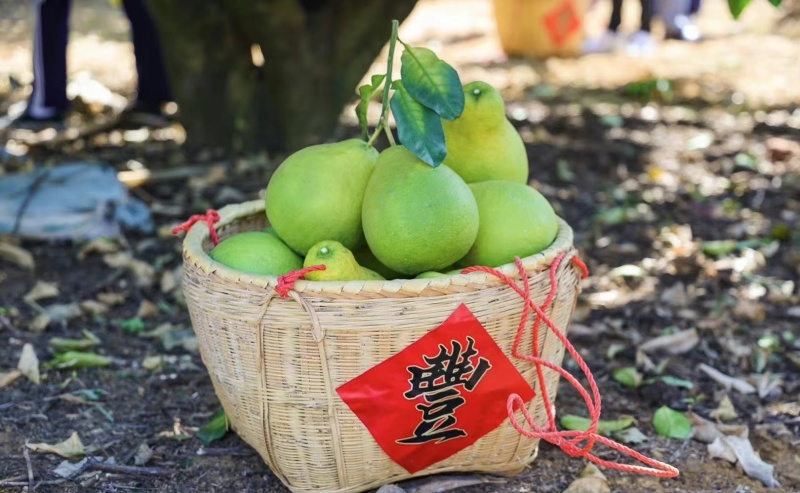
[315,52]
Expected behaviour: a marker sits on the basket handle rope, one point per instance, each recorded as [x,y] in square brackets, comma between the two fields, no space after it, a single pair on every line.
[210,217]
[568,441]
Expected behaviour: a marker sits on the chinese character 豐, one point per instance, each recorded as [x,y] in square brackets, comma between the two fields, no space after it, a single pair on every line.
[439,384]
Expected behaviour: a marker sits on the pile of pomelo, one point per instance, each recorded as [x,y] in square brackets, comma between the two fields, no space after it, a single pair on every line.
[367,215]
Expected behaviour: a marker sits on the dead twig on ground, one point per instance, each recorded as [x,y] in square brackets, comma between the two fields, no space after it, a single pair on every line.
[29,465]
[93,465]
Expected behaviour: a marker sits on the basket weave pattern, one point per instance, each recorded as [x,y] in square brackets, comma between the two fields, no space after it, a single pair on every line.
[275,363]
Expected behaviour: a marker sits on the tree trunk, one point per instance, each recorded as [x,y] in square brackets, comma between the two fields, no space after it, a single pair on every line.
[315,52]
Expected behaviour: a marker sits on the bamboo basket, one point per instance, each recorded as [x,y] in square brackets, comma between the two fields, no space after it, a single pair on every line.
[275,362]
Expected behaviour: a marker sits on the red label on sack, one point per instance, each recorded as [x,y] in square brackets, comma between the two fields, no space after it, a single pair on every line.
[437,396]
[562,22]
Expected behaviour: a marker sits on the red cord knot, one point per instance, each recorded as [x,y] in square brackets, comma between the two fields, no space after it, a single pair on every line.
[210,217]
[286,281]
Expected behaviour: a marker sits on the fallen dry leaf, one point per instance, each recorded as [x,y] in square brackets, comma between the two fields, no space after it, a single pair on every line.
[143,455]
[63,312]
[718,449]
[39,323]
[29,364]
[154,363]
[590,481]
[741,450]
[168,281]
[676,343]
[41,290]
[111,299]
[71,448]
[98,245]
[707,431]
[17,256]
[727,381]
[766,383]
[676,296]
[725,411]
[93,307]
[143,272]
[146,309]
[750,310]
[9,377]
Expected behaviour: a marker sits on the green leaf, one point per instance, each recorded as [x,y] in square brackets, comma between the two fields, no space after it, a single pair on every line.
[418,127]
[60,344]
[214,429]
[628,377]
[77,359]
[776,3]
[366,91]
[677,382]
[432,82]
[133,325]
[737,7]
[672,424]
[572,422]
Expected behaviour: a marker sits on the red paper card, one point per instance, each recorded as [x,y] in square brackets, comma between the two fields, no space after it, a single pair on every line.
[437,396]
[562,22]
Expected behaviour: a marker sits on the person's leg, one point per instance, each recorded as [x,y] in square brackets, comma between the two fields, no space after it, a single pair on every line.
[616,15]
[694,8]
[51,33]
[647,15]
[153,83]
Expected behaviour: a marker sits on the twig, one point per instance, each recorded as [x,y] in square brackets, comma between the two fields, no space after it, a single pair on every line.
[93,465]
[25,483]
[232,451]
[28,464]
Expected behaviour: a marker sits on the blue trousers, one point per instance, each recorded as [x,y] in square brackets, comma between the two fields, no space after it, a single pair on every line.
[50,57]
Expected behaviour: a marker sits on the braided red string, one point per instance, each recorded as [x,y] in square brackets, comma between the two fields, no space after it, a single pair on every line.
[210,217]
[286,282]
[568,441]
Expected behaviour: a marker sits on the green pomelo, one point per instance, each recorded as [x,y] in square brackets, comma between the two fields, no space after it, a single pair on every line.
[515,221]
[482,144]
[367,259]
[256,252]
[316,194]
[417,218]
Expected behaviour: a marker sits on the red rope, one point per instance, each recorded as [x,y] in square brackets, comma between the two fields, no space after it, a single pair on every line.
[568,441]
[286,282]
[210,217]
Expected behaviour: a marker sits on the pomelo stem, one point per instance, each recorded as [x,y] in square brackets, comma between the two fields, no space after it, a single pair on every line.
[382,123]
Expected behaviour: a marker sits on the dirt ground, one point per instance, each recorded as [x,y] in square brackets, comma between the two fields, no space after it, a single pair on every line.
[649,174]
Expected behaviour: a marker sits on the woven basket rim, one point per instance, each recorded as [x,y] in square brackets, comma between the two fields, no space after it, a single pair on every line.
[197,234]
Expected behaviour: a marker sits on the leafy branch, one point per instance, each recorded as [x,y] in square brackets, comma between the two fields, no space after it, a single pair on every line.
[428,91]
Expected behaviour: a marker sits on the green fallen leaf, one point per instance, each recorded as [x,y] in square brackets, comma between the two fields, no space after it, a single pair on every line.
[720,248]
[61,344]
[418,127]
[366,91]
[214,429]
[677,382]
[572,422]
[76,360]
[563,172]
[672,424]
[90,394]
[432,82]
[133,325]
[628,377]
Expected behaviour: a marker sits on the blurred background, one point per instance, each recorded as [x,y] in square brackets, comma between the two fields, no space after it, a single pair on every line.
[674,156]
